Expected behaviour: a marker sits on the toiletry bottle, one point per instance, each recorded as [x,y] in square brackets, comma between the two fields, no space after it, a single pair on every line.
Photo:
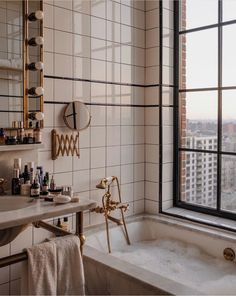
[37,134]
[15,184]
[45,186]
[2,137]
[30,139]
[47,177]
[17,164]
[31,171]
[35,189]
[52,184]
[26,174]
[25,189]
[59,223]
[20,135]
[65,224]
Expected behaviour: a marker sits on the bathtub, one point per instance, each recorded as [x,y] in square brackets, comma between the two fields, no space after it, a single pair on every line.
[166,256]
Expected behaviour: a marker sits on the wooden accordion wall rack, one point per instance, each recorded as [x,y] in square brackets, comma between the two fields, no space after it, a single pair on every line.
[64,145]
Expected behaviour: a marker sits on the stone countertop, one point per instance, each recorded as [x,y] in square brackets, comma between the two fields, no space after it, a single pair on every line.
[41,210]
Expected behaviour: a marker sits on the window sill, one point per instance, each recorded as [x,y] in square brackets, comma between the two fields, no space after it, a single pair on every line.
[209,220]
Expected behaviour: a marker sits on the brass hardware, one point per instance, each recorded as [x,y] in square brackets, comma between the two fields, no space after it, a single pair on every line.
[229,254]
[109,205]
[64,144]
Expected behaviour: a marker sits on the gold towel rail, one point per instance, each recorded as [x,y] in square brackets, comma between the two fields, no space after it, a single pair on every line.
[16,258]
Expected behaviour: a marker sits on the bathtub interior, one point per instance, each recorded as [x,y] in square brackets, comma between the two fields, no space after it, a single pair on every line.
[150,229]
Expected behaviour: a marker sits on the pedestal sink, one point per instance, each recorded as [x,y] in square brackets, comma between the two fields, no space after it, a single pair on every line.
[12,203]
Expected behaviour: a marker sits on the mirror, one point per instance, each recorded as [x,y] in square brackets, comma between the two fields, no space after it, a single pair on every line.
[18,57]
[77,116]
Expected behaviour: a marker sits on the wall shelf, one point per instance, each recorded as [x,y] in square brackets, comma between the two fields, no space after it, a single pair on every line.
[20,147]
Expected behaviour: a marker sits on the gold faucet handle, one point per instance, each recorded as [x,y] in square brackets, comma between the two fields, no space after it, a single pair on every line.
[123,206]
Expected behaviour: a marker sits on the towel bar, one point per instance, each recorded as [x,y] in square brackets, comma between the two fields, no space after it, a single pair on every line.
[12,259]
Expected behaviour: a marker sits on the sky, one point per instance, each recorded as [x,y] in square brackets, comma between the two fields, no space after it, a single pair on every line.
[202,55]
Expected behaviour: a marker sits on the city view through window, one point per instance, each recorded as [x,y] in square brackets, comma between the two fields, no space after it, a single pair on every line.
[207,103]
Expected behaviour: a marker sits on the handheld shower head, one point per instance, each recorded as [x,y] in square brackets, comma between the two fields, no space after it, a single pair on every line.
[104,182]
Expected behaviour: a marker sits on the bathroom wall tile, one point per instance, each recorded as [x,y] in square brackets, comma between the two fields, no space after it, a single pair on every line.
[113,171]
[63,90]
[98,49]
[139,19]
[48,40]
[98,157]
[138,172]
[152,153]
[98,136]
[113,135]
[63,179]
[127,192]
[113,52]
[139,192]
[152,38]
[49,115]
[81,181]
[138,134]
[152,116]
[82,46]
[63,43]
[127,114]
[23,240]
[152,4]
[98,8]
[152,190]
[63,19]
[152,172]
[82,67]
[167,172]
[82,6]
[98,70]
[96,176]
[152,19]
[48,16]
[139,206]
[113,155]
[82,162]
[98,114]
[152,95]
[60,62]
[81,24]
[48,64]
[45,158]
[113,115]
[127,174]
[98,93]
[4,276]
[63,164]
[151,207]
[127,135]
[113,11]
[152,56]
[113,31]
[113,72]
[98,28]
[152,75]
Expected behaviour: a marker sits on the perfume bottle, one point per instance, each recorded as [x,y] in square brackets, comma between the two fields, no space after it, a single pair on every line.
[15,183]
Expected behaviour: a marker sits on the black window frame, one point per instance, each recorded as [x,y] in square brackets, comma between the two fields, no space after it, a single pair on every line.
[176,116]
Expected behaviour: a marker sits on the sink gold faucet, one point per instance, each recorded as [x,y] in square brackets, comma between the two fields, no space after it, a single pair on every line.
[109,205]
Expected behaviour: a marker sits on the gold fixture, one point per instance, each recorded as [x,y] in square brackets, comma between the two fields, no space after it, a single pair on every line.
[109,205]
[64,144]
[229,254]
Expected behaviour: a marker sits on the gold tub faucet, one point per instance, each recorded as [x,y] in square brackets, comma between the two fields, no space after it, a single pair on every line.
[109,205]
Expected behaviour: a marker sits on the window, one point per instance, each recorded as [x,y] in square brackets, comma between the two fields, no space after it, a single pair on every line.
[205,100]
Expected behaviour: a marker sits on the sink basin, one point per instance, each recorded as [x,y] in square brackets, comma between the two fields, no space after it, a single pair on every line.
[11,203]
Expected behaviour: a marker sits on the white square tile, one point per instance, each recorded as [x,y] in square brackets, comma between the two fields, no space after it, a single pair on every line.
[151,207]
[139,19]
[167,172]
[63,19]
[98,114]
[48,89]
[83,6]
[126,15]
[127,114]
[98,28]
[113,72]
[167,135]
[167,191]
[152,191]
[48,63]
[63,90]
[152,37]
[63,65]
[152,56]
[48,40]
[49,115]
[58,115]
[81,23]
[113,31]
[63,164]
[113,135]
[152,116]
[98,49]
[168,20]
[98,92]
[127,154]
[152,19]
[63,42]
[98,157]
[127,174]
[151,4]
[152,172]
[127,135]
[98,136]
[81,180]
[64,4]
[82,46]
[113,115]
[83,162]
[45,159]
[138,172]
[48,16]
[139,57]
[139,190]
[84,138]
[98,70]
[98,8]
[82,67]
[113,156]
[138,37]
[63,179]
[152,153]
[152,95]
[139,155]
[82,91]
[127,192]
[152,75]
[126,35]
[113,11]
[139,135]
[138,207]
[113,51]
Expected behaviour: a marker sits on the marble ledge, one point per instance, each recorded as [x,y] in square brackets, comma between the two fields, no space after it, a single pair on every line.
[41,210]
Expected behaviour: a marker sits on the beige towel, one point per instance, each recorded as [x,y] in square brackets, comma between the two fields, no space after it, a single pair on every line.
[54,268]
[39,276]
[70,271]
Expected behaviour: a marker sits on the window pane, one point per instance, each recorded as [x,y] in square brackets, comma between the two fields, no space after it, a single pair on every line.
[229,121]
[199,178]
[228,183]
[198,13]
[198,59]
[229,56]
[229,10]
[198,116]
